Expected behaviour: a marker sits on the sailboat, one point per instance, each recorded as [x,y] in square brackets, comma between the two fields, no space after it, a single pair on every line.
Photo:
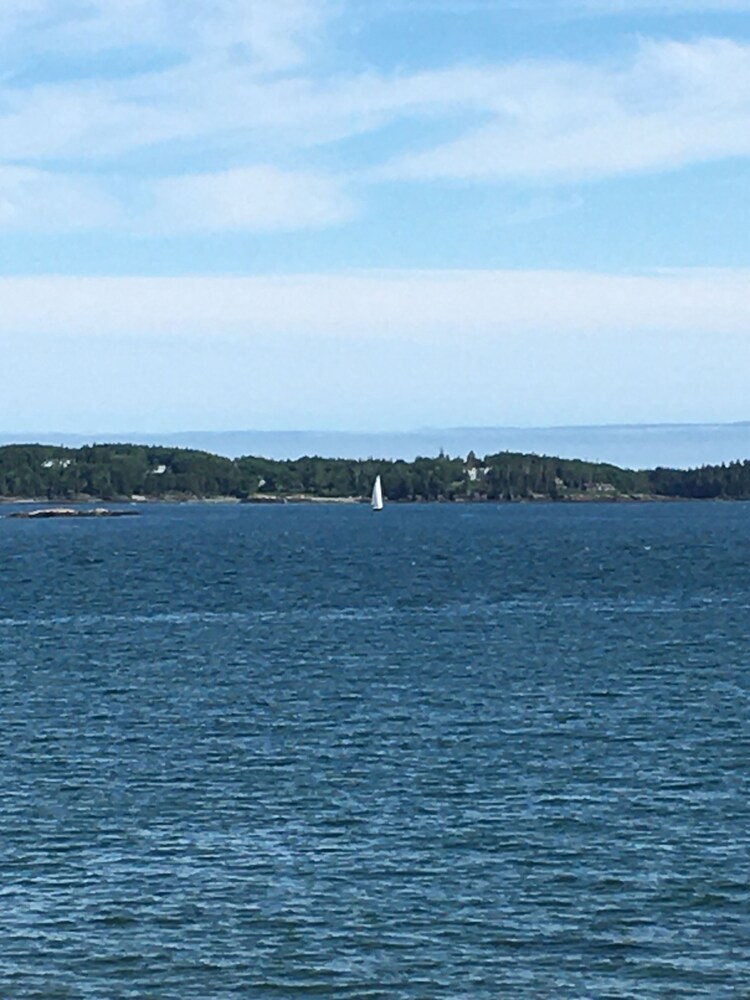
[377,495]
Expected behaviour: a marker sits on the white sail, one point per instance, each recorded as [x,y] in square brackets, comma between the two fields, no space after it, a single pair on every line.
[377,495]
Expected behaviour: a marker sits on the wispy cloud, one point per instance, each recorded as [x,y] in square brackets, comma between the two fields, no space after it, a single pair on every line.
[673,105]
[229,95]
[37,201]
[609,7]
[587,8]
[267,35]
[387,305]
[259,199]
[373,349]
[253,199]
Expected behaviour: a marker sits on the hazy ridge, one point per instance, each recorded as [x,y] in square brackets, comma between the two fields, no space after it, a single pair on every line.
[633,446]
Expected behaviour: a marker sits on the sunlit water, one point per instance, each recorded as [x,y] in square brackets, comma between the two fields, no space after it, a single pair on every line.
[439,752]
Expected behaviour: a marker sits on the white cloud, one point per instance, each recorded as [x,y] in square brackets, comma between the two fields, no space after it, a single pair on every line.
[238,95]
[268,35]
[606,7]
[375,349]
[385,305]
[670,105]
[85,122]
[587,8]
[34,200]
[252,199]
[204,69]
[275,34]
[675,104]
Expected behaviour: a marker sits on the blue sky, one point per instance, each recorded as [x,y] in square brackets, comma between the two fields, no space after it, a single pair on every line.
[373,215]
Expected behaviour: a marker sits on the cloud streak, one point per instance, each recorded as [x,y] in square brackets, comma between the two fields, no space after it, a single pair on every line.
[37,201]
[421,305]
[587,8]
[231,85]
[674,105]
[265,35]
[254,199]
[374,349]
[260,199]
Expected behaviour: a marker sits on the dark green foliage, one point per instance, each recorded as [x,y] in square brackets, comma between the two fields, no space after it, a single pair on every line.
[122,471]
[513,476]
[719,482]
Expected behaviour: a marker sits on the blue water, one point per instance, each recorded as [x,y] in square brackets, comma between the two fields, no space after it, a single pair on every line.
[441,752]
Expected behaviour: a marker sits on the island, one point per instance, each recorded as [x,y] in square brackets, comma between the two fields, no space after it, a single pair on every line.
[109,473]
[47,512]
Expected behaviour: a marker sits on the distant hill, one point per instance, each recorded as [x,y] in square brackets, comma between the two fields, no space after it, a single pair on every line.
[629,446]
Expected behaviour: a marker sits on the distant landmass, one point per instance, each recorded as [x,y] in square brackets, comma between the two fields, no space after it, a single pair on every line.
[631,446]
[136,472]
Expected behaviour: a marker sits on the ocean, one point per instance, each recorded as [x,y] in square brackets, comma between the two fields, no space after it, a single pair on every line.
[443,751]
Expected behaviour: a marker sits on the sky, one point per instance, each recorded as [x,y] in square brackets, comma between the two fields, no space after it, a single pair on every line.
[371,216]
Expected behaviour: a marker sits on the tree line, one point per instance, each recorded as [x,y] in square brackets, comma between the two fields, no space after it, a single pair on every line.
[124,471]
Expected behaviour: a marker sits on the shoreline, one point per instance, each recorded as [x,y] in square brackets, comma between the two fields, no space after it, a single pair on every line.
[78,505]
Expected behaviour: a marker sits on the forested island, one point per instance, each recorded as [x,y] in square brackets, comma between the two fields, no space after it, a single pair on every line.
[115,472]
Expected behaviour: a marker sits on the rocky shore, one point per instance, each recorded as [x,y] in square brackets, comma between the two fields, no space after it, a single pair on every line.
[48,512]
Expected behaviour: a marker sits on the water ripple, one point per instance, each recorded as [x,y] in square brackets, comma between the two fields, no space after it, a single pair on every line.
[307,752]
